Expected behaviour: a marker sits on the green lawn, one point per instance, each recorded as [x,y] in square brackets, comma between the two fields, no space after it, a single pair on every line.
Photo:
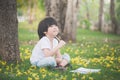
[93,49]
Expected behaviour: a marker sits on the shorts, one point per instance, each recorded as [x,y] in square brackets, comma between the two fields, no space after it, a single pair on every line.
[48,61]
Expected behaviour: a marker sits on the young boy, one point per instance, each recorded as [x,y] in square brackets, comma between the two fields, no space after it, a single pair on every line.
[47,51]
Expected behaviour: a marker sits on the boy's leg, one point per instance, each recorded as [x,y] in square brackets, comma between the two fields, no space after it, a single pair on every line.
[63,63]
[65,60]
[58,60]
[47,61]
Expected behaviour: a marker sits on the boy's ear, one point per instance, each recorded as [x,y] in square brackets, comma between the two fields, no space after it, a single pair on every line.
[44,32]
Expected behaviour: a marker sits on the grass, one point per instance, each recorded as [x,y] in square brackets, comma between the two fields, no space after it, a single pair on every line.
[93,49]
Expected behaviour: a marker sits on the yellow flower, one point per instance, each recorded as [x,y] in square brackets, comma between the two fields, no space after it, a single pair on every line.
[74,79]
[56,75]
[3,63]
[33,67]
[0,69]
[44,75]
[34,75]
[37,78]
[76,52]
[7,68]
[29,78]
[18,73]
[70,41]
[83,78]
[42,70]
[90,78]
[95,49]
[119,70]
[108,65]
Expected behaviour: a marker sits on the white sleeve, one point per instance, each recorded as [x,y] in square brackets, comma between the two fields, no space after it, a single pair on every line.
[44,43]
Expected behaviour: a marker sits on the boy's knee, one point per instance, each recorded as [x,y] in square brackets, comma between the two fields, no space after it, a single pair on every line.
[52,61]
[66,56]
[34,63]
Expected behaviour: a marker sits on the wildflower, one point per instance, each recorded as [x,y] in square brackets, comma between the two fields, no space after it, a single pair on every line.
[76,52]
[56,75]
[7,68]
[18,73]
[74,79]
[0,69]
[44,75]
[37,78]
[29,78]
[95,49]
[108,65]
[83,78]
[33,67]
[90,78]
[3,63]
[70,41]
[42,70]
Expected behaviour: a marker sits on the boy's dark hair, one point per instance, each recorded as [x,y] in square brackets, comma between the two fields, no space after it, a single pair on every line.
[44,24]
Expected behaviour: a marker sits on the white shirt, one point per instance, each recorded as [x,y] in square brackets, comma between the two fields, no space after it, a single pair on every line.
[44,42]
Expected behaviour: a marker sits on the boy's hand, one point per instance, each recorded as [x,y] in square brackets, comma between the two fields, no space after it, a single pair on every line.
[61,43]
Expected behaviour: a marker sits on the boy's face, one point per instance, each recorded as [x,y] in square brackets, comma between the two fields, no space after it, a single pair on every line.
[52,31]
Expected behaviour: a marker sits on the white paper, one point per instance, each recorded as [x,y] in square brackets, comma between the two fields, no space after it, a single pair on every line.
[85,70]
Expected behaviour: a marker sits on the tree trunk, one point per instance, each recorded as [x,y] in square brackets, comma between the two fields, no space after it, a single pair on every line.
[112,15]
[101,15]
[9,48]
[65,13]
[57,10]
[71,20]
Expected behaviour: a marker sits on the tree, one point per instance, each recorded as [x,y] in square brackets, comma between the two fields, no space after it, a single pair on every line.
[65,12]
[112,15]
[101,15]
[9,48]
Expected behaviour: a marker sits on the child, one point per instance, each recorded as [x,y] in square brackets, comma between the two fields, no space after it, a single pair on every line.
[46,52]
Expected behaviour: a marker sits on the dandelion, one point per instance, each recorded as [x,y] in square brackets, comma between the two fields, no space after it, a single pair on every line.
[25,73]
[7,68]
[18,73]
[108,65]
[73,75]
[76,52]
[37,78]
[0,69]
[29,78]
[88,46]
[3,63]
[56,75]
[63,78]
[70,41]
[33,67]
[83,78]
[42,70]
[44,75]
[90,78]
[95,49]
[34,74]
[74,79]
[119,70]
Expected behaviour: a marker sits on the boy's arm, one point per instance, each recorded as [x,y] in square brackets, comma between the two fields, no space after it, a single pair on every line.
[54,51]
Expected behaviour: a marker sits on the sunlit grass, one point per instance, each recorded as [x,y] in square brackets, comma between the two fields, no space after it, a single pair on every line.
[92,50]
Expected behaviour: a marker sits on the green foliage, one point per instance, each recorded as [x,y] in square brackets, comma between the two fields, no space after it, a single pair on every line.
[87,23]
[24,6]
[41,4]
[91,7]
